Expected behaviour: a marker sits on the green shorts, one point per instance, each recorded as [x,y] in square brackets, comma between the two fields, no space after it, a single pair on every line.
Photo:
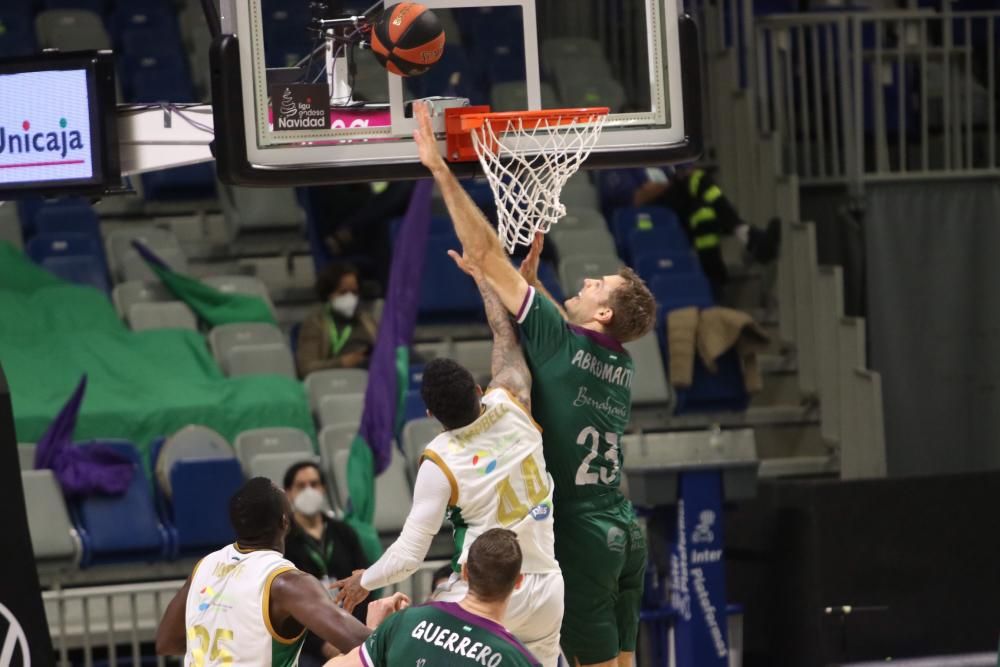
[602,553]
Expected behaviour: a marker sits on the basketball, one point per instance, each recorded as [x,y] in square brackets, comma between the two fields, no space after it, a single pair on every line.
[408,39]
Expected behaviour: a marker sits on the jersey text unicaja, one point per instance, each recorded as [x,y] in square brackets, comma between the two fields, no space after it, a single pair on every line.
[226,615]
[442,634]
[498,479]
[581,396]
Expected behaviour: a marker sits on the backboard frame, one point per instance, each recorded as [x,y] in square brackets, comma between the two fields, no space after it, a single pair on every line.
[240,163]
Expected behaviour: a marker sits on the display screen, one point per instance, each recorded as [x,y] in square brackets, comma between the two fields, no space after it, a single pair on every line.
[45,127]
[57,124]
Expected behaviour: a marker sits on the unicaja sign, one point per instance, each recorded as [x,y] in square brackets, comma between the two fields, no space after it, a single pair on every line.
[58,142]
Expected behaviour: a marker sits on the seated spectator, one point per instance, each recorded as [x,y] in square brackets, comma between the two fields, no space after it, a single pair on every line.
[704,210]
[318,544]
[337,334]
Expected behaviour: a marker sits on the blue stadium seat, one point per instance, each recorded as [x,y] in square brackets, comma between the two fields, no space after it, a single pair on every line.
[199,507]
[616,188]
[723,391]
[181,183]
[286,38]
[116,529]
[67,217]
[666,237]
[646,218]
[17,34]
[416,376]
[151,79]
[415,408]
[652,262]
[446,292]
[681,290]
[136,42]
[157,15]
[75,258]
[453,75]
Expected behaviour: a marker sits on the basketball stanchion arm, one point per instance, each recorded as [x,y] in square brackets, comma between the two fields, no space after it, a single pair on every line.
[157,137]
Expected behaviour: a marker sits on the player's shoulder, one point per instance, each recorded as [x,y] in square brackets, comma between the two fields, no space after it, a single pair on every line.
[501,396]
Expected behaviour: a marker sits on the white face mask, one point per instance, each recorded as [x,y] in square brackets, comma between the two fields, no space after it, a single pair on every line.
[309,501]
[345,304]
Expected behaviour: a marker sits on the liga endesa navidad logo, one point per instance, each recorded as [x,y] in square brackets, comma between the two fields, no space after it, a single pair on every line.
[41,142]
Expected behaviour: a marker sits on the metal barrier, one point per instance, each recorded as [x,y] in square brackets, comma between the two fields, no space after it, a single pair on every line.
[865,96]
[110,624]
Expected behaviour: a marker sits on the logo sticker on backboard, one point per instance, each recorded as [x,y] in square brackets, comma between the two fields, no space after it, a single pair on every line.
[297,107]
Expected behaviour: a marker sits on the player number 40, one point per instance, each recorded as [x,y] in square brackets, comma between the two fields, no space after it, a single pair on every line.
[604,475]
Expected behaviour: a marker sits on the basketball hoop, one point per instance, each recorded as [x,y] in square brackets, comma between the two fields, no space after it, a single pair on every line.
[527,156]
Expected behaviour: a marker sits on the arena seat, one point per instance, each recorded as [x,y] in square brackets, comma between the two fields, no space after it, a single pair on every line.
[274,465]
[225,337]
[71,30]
[17,38]
[263,359]
[393,493]
[581,92]
[579,219]
[674,291]
[26,455]
[334,381]
[196,181]
[591,242]
[261,208]
[71,217]
[476,356]
[625,221]
[580,193]
[125,262]
[125,295]
[75,258]
[248,285]
[97,6]
[651,262]
[575,268]
[256,442]
[415,408]
[199,505]
[341,409]
[334,438]
[126,528]
[417,433]
[460,299]
[42,248]
[53,538]
[649,384]
[165,315]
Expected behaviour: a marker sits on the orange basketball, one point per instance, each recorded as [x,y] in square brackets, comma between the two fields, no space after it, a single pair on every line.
[408,39]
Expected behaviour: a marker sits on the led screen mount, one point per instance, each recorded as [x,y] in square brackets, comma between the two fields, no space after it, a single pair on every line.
[59,126]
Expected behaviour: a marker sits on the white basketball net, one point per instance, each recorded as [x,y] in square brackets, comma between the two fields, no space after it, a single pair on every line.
[530,165]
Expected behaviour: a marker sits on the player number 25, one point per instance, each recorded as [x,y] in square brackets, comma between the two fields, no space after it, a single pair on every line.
[584,475]
[199,640]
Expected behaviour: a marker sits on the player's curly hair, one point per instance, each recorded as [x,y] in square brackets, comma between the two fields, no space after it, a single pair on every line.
[449,392]
[633,307]
[493,565]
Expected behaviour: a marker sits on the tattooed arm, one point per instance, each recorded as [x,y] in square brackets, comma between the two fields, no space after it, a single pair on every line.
[509,368]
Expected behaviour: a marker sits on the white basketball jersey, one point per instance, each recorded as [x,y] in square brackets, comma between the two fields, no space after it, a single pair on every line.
[498,480]
[227,616]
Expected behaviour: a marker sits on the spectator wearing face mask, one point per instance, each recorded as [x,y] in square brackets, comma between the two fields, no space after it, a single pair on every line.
[338,334]
[319,544]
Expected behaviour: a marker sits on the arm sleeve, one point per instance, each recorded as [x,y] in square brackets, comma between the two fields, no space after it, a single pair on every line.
[430,500]
[543,330]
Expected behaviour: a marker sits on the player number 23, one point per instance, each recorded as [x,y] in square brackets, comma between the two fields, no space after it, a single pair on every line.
[584,476]
[200,641]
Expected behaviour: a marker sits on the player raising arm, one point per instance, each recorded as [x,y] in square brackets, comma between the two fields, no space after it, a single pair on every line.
[582,399]
[245,605]
[488,470]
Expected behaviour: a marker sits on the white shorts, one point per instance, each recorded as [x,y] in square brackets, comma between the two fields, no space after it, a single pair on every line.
[534,615]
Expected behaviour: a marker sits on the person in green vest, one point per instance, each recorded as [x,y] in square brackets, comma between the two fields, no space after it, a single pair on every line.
[338,334]
[320,545]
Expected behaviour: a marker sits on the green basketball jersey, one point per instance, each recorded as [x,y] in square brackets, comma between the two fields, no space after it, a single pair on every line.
[442,633]
[581,396]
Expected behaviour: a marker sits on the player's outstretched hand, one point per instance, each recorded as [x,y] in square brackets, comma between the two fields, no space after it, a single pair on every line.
[529,267]
[427,146]
[351,593]
[379,610]
[466,265]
